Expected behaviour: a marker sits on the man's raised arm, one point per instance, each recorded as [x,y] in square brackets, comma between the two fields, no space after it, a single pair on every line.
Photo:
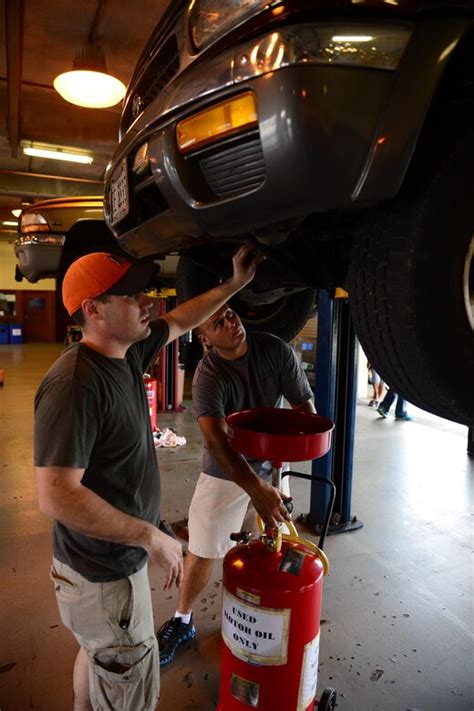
[193,312]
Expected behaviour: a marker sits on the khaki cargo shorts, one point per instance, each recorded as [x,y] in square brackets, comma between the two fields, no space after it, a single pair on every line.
[220,507]
[113,623]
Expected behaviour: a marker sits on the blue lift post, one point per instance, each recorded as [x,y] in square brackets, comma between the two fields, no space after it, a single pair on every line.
[335,397]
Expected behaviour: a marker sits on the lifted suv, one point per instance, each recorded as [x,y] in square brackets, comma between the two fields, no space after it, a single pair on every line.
[338,137]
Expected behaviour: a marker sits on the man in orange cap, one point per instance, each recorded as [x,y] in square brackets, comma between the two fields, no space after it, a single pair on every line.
[97,474]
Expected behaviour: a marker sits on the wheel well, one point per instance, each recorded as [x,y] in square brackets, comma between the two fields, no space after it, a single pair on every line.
[445,123]
[83,237]
[87,235]
[454,93]
[458,80]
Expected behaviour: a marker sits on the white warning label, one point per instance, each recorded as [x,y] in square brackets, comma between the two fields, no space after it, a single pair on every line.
[309,674]
[255,634]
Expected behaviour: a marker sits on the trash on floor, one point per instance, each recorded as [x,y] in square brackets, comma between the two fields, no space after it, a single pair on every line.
[167,438]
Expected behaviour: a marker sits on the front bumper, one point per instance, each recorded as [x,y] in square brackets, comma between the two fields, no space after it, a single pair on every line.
[318,127]
[38,255]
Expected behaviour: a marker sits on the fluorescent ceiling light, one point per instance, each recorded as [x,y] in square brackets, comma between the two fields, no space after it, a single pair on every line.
[16,212]
[9,223]
[57,154]
[89,84]
[352,38]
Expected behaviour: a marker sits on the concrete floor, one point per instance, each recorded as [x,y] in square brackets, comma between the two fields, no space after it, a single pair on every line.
[397,617]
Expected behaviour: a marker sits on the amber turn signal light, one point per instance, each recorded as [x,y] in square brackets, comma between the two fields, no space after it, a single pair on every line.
[220,120]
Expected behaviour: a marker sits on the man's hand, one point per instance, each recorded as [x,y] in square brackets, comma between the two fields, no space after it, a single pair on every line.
[245,262]
[269,504]
[267,500]
[167,553]
[193,312]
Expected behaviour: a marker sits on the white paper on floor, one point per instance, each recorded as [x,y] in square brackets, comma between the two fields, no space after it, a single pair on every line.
[167,438]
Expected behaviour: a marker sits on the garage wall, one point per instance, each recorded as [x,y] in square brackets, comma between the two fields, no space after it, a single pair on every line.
[308,336]
[7,271]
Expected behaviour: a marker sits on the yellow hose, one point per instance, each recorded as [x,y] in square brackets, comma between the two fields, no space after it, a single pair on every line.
[294,537]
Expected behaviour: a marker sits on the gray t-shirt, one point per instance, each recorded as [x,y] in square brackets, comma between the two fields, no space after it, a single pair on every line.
[91,412]
[268,372]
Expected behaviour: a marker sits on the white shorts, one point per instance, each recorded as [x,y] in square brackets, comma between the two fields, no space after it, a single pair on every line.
[375,378]
[218,508]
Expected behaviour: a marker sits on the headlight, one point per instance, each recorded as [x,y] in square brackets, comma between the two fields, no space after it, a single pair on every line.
[209,19]
[33,222]
[363,45]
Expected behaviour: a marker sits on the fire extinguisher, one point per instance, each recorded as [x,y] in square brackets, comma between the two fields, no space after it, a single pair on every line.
[151,388]
[271,610]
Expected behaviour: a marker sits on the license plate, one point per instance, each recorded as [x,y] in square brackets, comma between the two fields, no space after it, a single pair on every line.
[119,195]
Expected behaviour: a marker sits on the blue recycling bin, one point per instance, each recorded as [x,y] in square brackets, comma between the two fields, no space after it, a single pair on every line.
[4,333]
[16,332]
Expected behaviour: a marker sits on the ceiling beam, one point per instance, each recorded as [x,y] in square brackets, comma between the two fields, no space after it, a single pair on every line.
[14,23]
[47,117]
[38,186]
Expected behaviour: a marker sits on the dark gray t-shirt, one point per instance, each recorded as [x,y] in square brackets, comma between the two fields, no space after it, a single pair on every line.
[268,372]
[91,412]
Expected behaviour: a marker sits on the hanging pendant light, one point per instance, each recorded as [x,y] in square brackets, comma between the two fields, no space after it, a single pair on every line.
[89,84]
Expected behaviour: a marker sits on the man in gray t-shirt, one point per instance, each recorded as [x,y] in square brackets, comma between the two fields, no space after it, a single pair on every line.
[97,474]
[237,373]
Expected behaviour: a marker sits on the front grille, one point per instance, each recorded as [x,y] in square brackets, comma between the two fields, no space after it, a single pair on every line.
[235,170]
[160,72]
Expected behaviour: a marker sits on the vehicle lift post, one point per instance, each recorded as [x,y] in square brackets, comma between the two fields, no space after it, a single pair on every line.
[335,397]
[168,367]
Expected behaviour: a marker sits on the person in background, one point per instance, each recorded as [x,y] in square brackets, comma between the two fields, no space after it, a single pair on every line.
[238,372]
[400,408]
[97,474]
[378,386]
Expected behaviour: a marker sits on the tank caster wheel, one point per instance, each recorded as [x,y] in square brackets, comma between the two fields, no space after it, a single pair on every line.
[327,702]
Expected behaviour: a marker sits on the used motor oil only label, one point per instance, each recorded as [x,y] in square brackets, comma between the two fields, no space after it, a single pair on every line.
[258,635]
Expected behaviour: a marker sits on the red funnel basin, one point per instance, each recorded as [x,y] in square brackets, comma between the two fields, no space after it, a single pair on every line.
[279,435]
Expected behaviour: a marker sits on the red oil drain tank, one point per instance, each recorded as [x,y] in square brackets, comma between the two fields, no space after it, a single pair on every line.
[272,594]
[270,628]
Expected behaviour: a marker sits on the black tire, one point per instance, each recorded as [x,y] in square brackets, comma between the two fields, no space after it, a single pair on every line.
[84,237]
[284,318]
[328,699]
[411,269]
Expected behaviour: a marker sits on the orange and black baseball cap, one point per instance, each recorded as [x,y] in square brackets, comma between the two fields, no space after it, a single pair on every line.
[100,273]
